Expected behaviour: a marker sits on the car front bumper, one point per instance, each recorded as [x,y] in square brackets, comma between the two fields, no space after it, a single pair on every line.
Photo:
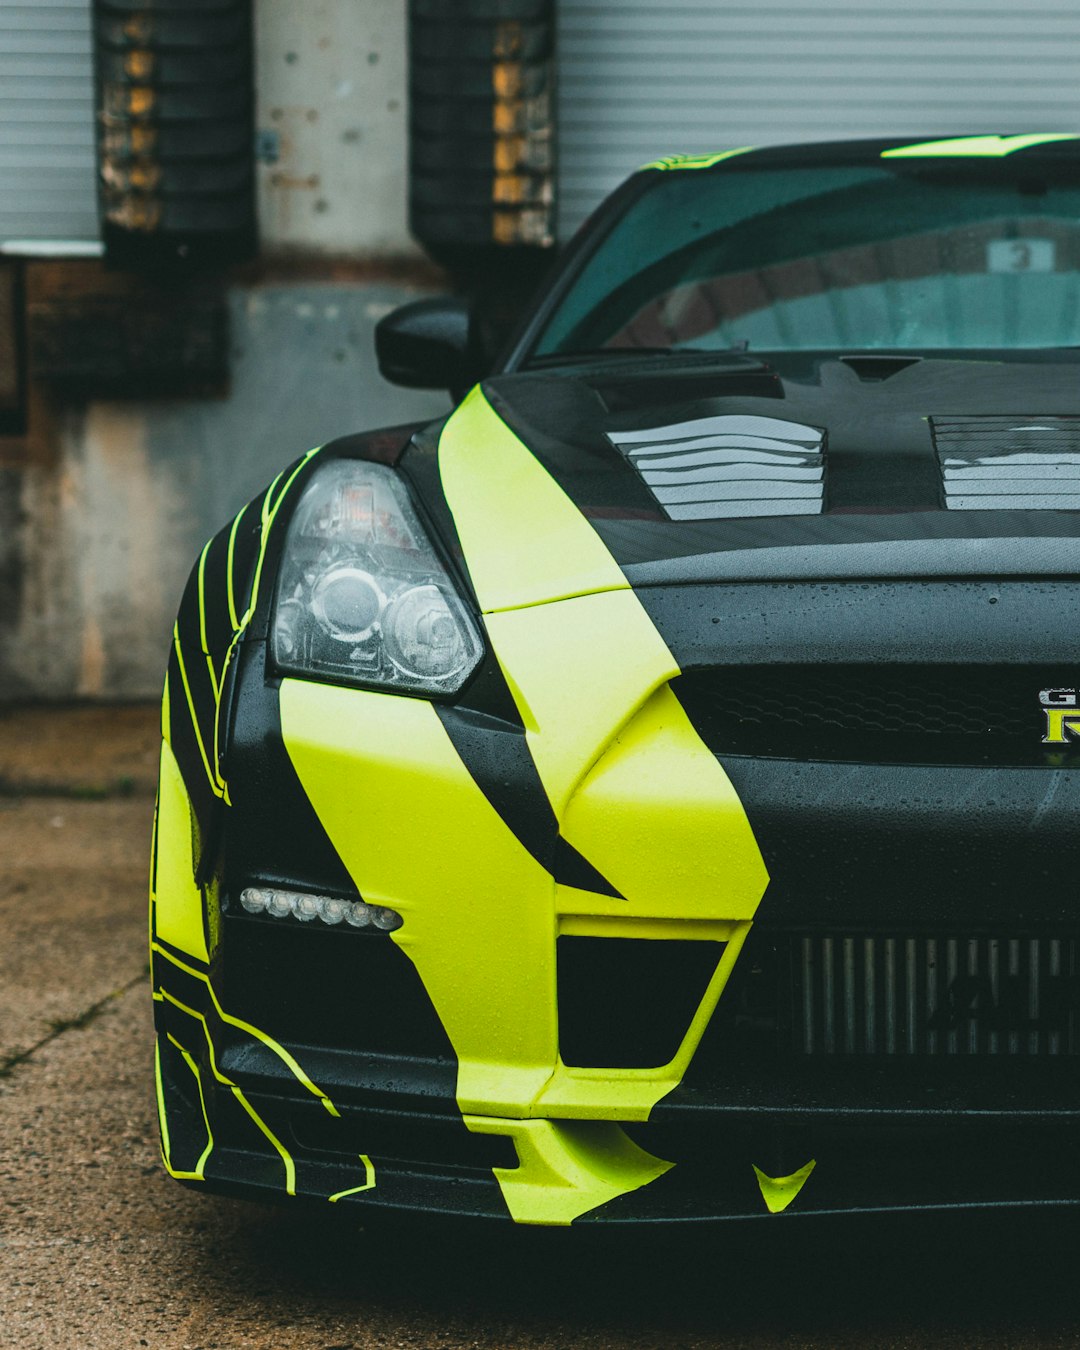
[430,1070]
[238,1121]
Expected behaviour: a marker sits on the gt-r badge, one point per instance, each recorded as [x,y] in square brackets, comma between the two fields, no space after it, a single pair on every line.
[1062,715]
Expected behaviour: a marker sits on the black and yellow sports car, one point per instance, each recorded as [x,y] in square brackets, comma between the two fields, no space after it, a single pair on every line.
[651,793]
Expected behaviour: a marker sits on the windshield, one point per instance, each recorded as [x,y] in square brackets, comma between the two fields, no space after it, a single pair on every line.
[970,255]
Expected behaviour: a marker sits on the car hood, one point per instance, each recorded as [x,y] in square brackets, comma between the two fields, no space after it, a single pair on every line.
[814,467]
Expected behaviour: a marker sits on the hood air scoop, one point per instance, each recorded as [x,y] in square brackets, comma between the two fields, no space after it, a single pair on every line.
[718,468]
[1009,463]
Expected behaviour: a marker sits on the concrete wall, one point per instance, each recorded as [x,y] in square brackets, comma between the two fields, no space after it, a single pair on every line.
[331,81]
[96,541]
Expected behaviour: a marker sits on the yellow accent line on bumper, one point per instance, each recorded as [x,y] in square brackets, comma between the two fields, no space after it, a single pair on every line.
[567,1168]
[778,1192]
[369,1181]
[279,1050]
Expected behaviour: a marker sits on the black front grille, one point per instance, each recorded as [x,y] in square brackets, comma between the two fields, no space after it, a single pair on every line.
[878,714]
[837,995]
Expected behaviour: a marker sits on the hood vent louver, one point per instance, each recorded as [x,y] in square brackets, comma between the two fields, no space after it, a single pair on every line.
[1009,463]
[734,465]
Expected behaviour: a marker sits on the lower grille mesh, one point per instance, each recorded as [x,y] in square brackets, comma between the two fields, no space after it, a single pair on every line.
[878,714]
[863,994]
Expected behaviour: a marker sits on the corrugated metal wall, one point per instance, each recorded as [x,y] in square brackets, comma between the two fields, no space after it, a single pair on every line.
[47,166]
[644,78]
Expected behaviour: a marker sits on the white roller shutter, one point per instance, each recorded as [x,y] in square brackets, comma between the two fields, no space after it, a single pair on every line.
[639,79]
[47,165]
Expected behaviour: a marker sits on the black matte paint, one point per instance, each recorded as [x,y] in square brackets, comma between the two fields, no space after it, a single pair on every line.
[886,578]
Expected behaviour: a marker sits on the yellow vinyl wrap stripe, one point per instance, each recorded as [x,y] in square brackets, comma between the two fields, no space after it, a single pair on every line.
[567,1168]
[633,788]
[778,1192]
[657,815]
[210,774]
[417,834]
[202,619]
[163,1119]
[197,1174]
[176,900]
[279,1050]
[578,671]
[218,783]
[369,1181]
[230,579]
[286,1157]
[548,553]
[993,147]
[271,505]
[270,508]
[695,161]
[166,712]
[153,875]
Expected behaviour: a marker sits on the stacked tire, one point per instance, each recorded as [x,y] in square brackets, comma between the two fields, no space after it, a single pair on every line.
[481,126]
[175,94]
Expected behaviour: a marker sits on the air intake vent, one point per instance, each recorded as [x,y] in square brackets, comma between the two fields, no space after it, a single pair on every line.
[1009,463]
[628,1002]
[717,468]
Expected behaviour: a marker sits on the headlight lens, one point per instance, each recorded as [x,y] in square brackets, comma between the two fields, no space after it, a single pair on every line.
[361,593]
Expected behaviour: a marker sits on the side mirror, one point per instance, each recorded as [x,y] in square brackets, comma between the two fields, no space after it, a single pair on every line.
[428,345]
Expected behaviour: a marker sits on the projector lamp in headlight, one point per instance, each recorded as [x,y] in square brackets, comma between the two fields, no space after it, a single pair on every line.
[422,636]
[362,596]
[347,603]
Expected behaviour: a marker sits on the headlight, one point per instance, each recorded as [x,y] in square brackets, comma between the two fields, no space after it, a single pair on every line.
[361,593]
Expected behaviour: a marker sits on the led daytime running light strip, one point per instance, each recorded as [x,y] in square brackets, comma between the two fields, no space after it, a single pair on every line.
[330,909]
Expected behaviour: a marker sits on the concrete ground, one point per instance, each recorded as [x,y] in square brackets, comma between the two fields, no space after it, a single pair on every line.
[98,1248]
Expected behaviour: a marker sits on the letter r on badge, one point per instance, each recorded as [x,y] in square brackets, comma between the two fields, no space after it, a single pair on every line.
[1060,724]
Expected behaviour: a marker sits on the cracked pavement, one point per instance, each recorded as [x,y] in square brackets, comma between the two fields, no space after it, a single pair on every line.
[98,1248]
